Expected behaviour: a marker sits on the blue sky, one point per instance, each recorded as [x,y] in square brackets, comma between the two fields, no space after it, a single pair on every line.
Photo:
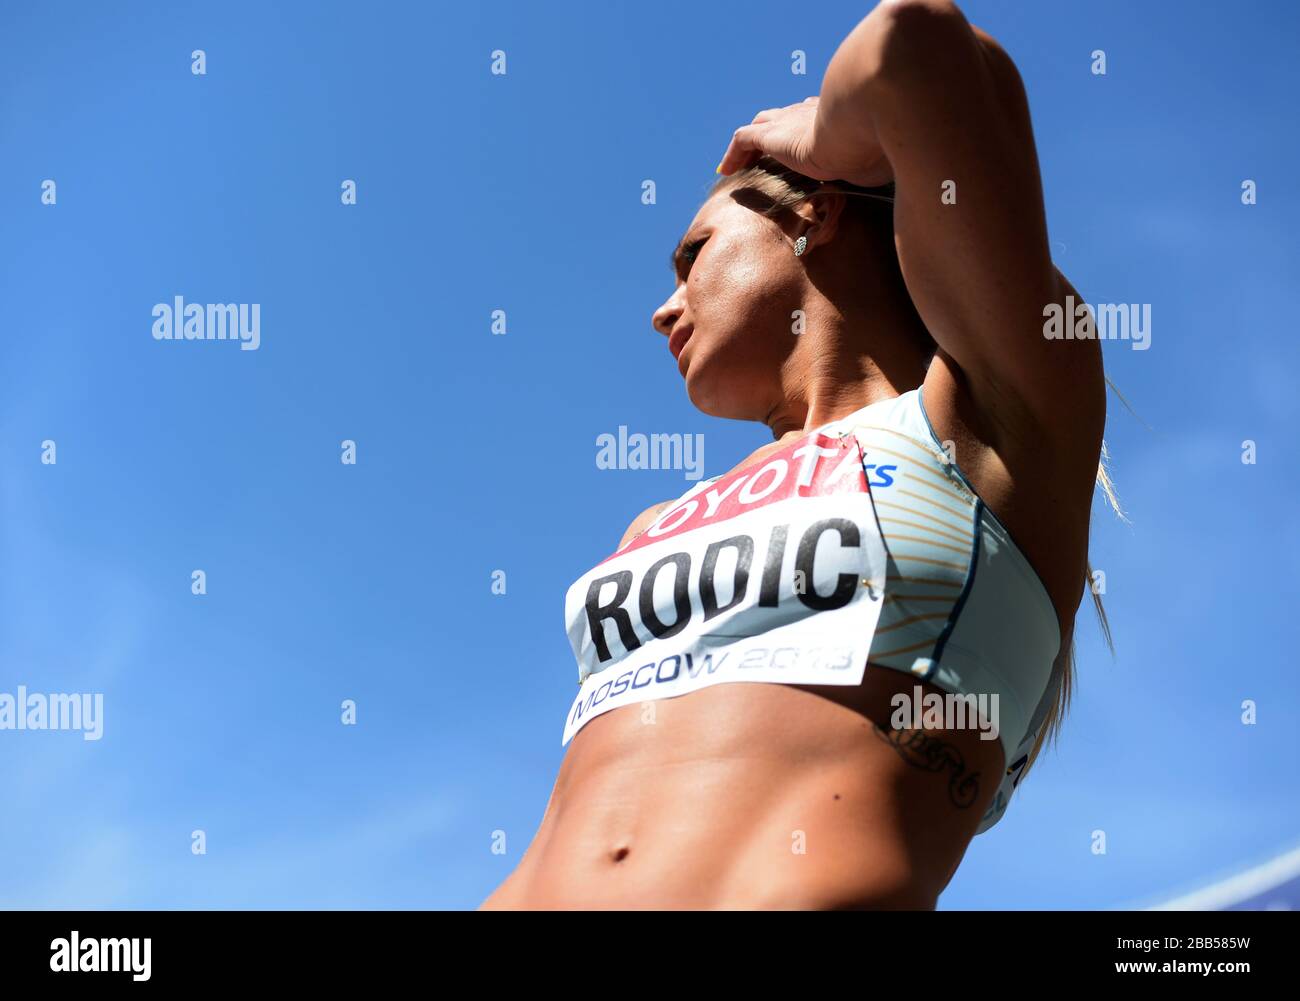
[476,452]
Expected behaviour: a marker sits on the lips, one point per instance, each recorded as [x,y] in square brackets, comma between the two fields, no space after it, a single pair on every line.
[678,338]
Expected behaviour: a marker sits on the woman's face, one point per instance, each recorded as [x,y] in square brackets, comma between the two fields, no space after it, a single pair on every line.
[728,321]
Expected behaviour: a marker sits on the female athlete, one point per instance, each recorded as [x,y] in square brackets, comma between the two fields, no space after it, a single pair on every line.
[774,665]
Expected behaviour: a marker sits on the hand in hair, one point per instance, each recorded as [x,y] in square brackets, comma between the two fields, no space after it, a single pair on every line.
[791,136]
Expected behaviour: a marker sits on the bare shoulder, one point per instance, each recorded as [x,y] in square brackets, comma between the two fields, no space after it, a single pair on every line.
[642,521]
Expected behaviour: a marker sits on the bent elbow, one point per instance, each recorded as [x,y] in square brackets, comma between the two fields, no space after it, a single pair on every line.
[915,36]
[919,20]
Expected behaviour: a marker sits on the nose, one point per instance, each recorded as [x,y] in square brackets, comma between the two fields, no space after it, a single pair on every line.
[667,315]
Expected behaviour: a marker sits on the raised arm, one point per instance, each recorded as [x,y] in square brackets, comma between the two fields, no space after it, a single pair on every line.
[946,107]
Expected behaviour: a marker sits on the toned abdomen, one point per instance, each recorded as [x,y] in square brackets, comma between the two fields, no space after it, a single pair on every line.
[751,795]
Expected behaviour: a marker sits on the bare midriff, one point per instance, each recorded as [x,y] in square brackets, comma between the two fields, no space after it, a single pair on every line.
[750,795]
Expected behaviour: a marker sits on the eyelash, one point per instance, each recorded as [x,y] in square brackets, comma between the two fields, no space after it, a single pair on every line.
[689,253]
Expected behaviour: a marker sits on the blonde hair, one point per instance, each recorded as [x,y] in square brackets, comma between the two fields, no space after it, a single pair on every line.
[781,189]
[1050,731]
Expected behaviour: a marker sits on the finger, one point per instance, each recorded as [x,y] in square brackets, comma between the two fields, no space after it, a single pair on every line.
[745,147]
[812,100]
[767,114]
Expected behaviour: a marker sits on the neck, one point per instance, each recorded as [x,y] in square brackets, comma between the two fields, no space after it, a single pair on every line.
[838,378]
[862,343]
[824,403]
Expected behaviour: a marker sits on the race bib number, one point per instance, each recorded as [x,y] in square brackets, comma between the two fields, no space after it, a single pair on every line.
[775,573]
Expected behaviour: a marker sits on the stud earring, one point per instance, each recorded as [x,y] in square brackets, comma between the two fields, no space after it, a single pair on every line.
[800,245]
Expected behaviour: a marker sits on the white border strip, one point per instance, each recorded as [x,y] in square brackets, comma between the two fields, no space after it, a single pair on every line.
[1237,888]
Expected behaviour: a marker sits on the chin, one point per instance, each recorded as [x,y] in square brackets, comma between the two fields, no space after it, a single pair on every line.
[701,400]
[731,375]
[716,389]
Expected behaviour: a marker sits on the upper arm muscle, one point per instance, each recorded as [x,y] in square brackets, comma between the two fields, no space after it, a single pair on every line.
[952,117]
